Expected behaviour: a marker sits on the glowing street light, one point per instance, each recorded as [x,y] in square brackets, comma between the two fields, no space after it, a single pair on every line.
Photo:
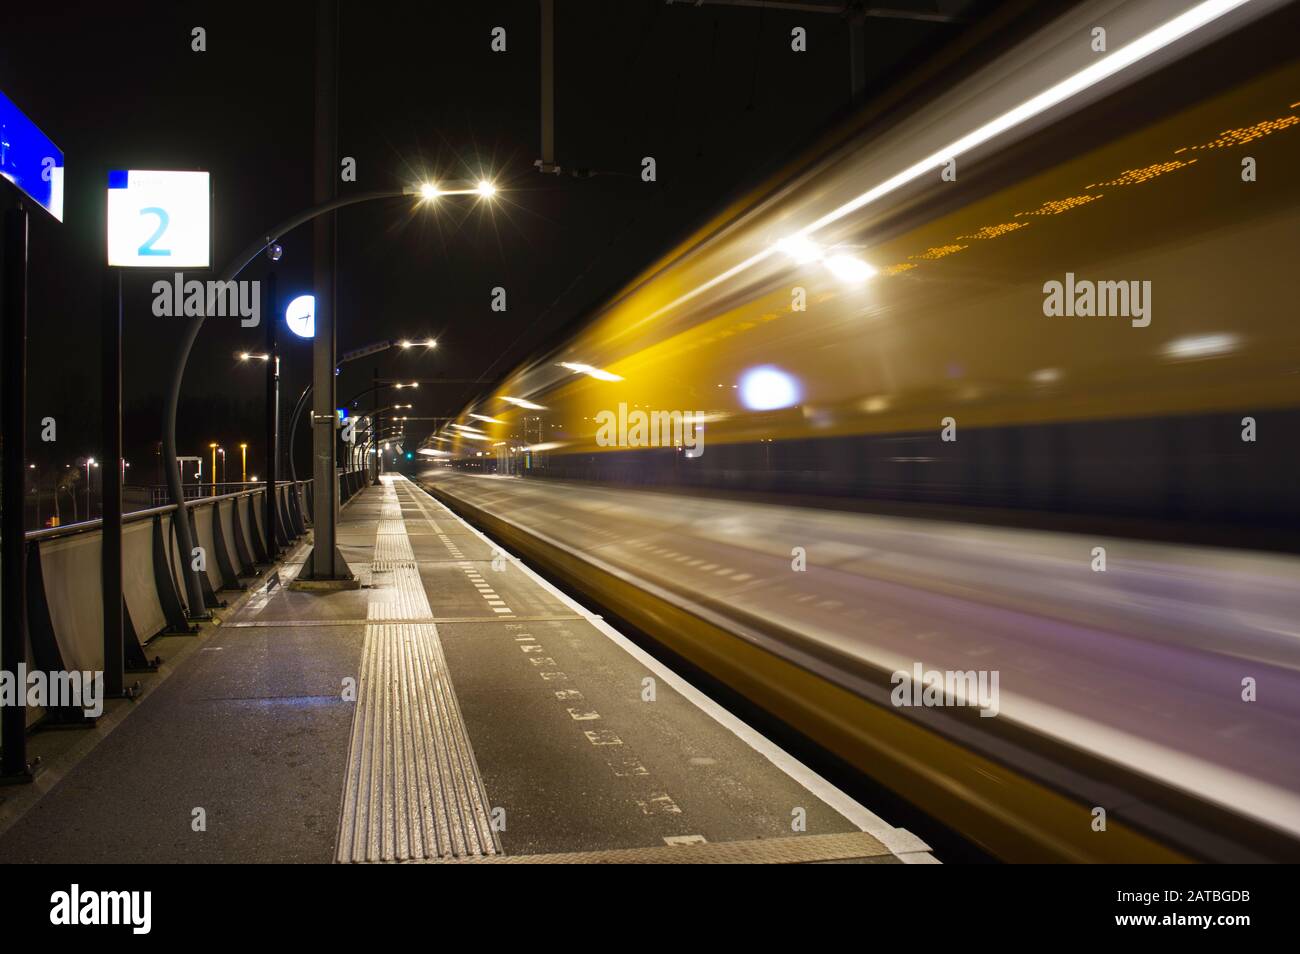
[90,462]
[429,191]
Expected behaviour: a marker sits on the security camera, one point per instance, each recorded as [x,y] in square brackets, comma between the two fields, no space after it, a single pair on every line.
[274,251]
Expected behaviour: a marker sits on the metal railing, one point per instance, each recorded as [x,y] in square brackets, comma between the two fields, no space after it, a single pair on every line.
[159,494]
[64,594]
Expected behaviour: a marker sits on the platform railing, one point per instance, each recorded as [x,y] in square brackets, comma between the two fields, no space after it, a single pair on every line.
[64,583]
[197,491]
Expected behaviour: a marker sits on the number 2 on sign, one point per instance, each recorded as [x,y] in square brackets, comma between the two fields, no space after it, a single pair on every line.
[163,220]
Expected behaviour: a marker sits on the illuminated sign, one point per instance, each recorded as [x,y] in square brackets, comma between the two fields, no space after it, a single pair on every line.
[300,316]
[29,160]
[159,219]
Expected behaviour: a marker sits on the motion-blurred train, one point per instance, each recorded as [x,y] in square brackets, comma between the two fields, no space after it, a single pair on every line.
[1053,274]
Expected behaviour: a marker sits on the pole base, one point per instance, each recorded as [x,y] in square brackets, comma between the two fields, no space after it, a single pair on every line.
[341,576]
[24,777]
[326,585]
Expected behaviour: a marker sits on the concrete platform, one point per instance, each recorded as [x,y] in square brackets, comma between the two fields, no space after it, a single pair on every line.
[455,707]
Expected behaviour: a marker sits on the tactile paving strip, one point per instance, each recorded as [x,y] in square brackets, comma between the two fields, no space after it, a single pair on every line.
[413,791]
[804,849]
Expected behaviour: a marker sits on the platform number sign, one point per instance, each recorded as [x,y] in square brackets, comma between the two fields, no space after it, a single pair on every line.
[159,219]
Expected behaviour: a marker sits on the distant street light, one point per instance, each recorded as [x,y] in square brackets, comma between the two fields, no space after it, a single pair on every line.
[352,355]
[243,464]
[90,462]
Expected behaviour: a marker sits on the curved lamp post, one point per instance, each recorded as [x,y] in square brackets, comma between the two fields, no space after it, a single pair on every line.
[232,270]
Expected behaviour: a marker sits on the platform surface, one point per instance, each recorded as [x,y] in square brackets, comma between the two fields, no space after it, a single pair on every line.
[454,708]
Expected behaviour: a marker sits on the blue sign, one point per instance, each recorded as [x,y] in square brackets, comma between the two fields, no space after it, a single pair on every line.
[30,160]
[343,413]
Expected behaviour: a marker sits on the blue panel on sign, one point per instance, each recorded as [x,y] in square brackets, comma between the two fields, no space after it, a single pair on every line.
[117,178]
[29,159]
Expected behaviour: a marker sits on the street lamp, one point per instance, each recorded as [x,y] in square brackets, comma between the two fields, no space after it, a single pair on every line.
[243,463]
[222,452]
[426,193]
[214,468]
[90,462]
[344,359]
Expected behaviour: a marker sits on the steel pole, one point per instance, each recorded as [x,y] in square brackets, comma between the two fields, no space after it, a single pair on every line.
[111,486]
[13,542]
[192,327]
[271,513]
[325,561]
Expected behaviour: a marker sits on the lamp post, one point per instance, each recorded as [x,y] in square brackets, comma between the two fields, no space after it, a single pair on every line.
[243,463]
[90,462]
[425,193]
[214,468]
[377,423]
[347,356]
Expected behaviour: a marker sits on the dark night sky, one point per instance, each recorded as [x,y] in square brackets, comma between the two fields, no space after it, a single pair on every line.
[713,93]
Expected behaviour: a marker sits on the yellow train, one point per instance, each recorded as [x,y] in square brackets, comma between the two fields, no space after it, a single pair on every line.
[1052,284]
[890,322]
